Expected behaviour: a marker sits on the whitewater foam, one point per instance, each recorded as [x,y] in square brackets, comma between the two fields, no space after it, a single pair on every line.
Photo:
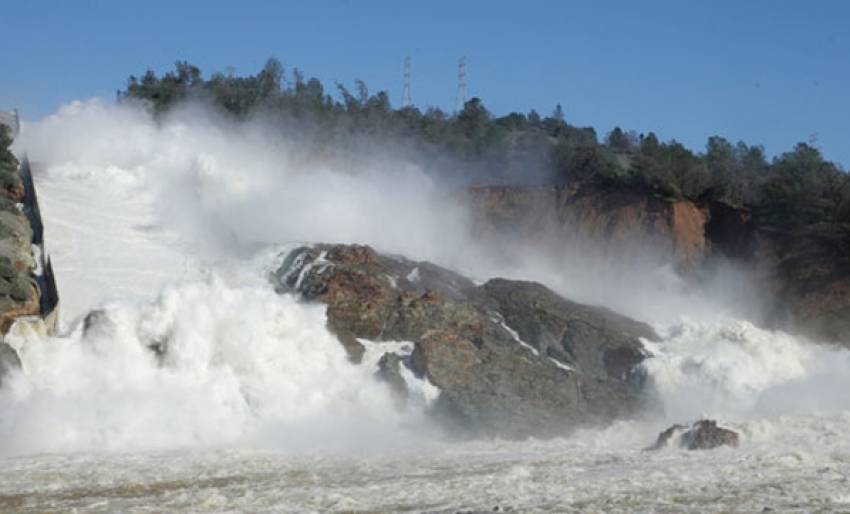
[234,365]
[736,370]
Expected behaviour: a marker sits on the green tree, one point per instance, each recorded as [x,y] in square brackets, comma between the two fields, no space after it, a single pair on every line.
[618,140]
[270,78]
[8,162]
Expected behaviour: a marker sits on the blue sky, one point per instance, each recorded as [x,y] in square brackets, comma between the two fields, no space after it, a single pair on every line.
[766,72]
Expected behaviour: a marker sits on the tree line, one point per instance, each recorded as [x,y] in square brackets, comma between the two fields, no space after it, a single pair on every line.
[798,188]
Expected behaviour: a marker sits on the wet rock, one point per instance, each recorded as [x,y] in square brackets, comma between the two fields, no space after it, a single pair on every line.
[705,435]
[389,371]
[702,435]
[97,323]
[510,358]
[665,437]
[603,341]
[19,294]
[9,361]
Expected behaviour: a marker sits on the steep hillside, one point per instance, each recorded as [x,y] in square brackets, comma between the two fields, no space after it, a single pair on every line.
[803,270]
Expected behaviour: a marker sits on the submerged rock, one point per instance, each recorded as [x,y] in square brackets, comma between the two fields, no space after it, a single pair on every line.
[664,438]
[511,358]
[702,435]
[97,323]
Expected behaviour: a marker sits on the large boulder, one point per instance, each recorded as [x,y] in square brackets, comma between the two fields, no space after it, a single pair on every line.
[19,295]
[510,358]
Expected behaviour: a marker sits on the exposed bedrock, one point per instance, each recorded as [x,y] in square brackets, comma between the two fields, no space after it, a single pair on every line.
[511,358]
[28,298]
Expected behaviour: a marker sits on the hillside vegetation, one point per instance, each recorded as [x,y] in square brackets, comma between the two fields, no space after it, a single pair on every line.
[796,190]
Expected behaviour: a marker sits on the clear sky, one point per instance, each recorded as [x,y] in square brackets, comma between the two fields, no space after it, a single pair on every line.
[766,72]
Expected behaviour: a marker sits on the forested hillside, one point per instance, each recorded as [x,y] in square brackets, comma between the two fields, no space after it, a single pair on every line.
[797,189]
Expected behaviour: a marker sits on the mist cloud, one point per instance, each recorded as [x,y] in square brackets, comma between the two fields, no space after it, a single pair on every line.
[226,187]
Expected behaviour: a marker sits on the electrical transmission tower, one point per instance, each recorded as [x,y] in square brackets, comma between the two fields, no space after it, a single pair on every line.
[461,84]
[406,100]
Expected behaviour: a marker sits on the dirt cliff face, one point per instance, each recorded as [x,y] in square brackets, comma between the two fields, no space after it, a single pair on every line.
[608,217]
[687,227]
[526,212]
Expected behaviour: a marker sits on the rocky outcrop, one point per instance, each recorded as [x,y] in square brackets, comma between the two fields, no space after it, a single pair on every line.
[510,358]
[27,290]
[702,435]
[598,340]
[19,293]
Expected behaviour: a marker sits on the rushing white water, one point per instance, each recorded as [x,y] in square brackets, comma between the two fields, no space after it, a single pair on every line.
[241,364]
[736,370]
[254,406]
